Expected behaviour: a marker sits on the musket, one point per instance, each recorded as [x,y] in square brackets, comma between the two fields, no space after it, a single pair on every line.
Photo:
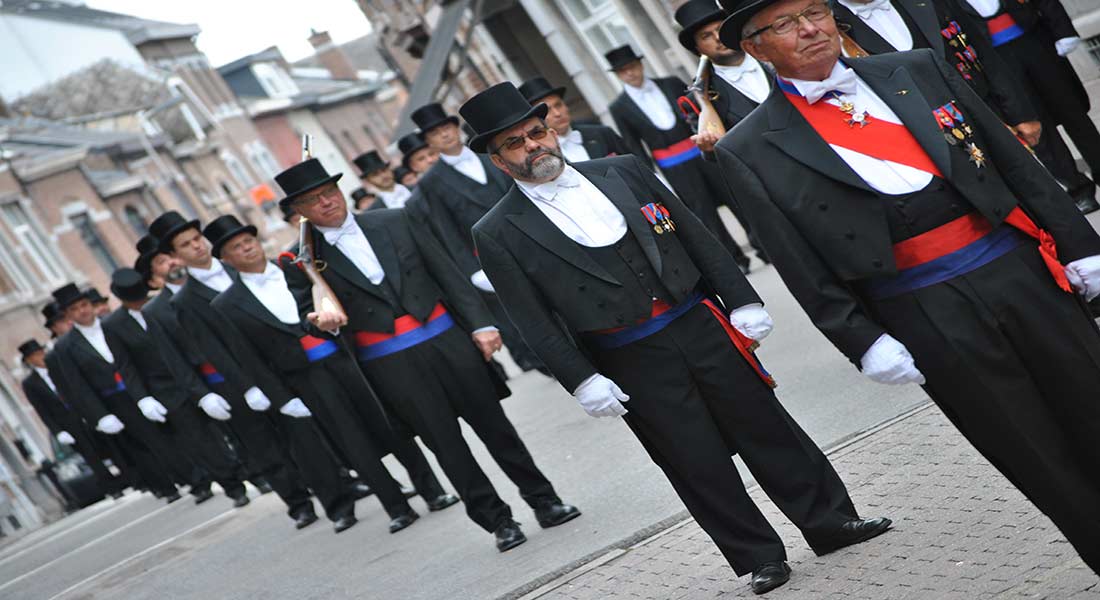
[709,119]
[324,299]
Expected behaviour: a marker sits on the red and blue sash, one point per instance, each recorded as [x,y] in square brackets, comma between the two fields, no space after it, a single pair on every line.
[407,332]
[209,374]
[1003,29]
[120,386]
[677,153]
[317,348]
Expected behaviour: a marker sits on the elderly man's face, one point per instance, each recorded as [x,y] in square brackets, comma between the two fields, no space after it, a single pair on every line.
[324,206]
[528,151]
[807,52]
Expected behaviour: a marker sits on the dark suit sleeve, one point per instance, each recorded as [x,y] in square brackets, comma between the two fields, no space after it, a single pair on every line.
[1055,18]
[76,390]
[243,349]
[36,396]
[631,138]
[459,292]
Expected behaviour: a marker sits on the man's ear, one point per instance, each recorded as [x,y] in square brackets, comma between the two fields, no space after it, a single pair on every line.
[750,48]
[500,164]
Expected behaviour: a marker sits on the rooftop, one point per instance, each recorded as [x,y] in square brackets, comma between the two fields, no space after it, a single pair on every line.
[137,29]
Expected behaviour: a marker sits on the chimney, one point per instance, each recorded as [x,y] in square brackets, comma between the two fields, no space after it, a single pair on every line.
[332,57]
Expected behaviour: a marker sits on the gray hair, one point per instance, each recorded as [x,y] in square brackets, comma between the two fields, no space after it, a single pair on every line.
[749,28]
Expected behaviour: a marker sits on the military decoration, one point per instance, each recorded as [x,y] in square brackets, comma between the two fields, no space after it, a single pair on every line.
[658,217]
[957,132]
[861,118]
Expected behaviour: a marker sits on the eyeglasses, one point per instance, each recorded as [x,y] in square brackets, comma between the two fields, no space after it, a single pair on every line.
[517,141]
[788,23]
[311,199]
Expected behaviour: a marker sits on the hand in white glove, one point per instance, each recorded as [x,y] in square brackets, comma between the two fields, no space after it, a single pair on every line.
[752,321]
[887,361]
[215,406]
[256,399]
[153,410]
[1066,45]
[63,437]
[481,282]
[600,397]
[110,425]
[295,408]
[1084,276]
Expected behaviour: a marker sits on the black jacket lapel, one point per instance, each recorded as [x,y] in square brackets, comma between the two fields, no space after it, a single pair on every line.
[924,15]
[335,260]
[616,190]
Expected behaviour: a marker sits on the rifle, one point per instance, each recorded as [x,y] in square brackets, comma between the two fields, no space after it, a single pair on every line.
[709,120]
[324,299]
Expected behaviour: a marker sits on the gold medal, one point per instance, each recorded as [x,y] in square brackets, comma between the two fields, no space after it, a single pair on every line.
[976,155]
[658,229]
[958,134]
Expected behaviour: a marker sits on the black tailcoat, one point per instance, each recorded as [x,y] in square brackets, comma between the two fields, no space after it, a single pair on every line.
[600,140]
[731,105]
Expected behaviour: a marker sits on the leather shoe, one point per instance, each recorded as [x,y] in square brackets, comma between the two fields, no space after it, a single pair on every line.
[408,490]
[240,501]
[402,521]
[854,532]
[170,498]
[360,490]
[770,575]
[305,519]
[343,523]
[509,535]
[1086,204]
[442,501]
[262,486]
[203,495]
[552,515]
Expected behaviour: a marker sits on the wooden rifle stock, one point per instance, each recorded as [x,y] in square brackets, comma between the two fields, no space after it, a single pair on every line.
[709,119]
[324,299]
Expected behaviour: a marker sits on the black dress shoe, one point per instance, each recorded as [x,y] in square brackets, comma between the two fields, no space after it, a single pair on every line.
[402,521]
[552,515]
[854,532]
[509,535]
[1086,204]
[307,518]
[408,490]
[240,501]
[262,486]
[360,490]
[170,498]
[344,523]
[203,495]
[770,575]
[442,501]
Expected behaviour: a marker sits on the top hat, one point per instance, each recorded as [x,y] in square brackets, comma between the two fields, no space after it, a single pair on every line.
[359,193]
[305,176]
[29,347]
[400,172]
[221,230]
[52,312]
[409,143]
[287,210]
[430,116]
[67,295]
[148,247]
[94,295]
[495,109]
[694,14]
[167,226]
[370,162]
[537,88]
[740,11]
[128,285]
[621,57]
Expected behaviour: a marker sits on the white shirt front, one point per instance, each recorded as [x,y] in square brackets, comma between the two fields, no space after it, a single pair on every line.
[174,287]
[353,243]
[749,78]
[395,198]
[94,335]
[215,278]
[468,164]
[271,290]
[45,375]
[578,208]
[653,103]
[572,146]
[986,8]
[140,318]
[885,20]
[883,175]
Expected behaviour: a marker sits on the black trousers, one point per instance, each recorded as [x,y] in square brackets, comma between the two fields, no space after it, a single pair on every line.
[317,468]
[159,463]
[193,433]
[525,358]
[1014,363]
[694,402]
[428,387]
[700,186]
[266,455]
[87,447]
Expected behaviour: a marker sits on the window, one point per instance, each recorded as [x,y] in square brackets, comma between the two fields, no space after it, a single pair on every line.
[275,80]
[1092,44]
[135,220]
[601,24]
[186,206]
[33,245]
[83,224]
[261,159]
[236,169]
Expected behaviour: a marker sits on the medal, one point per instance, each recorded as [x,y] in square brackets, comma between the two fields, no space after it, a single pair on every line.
[976,155]
[950,139]
[854,118]
[658,217]
[959,135]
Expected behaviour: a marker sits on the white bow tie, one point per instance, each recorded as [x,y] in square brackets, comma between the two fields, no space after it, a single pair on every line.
[843,82]
[736,73]
[864,11]
[270,275]
[547,191]
[573,137]
[333,235]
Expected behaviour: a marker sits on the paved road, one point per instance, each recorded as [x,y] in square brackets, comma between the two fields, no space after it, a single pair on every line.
[139,548]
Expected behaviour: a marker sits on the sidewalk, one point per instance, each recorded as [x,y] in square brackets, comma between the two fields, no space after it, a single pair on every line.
[960,531]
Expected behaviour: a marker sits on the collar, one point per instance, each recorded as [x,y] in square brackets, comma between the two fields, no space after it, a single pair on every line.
[573,137]
[466,155]
[736,72]
[865,10]
[95,328]
[547,191]
[647,87]
[842,80]
[333,234]
[270,274]
[216,268]
[173,287]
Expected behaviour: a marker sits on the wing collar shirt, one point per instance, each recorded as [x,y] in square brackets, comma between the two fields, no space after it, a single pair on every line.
[467,163]
[350,239]
[271,290]
[653,103]
[395,198]
[572,146]
[173,287]
[986,8]
[885,20]
[749,78]
[140,318]
[578,208]
[215,278]
[883,175]
[95,337]
[45,375]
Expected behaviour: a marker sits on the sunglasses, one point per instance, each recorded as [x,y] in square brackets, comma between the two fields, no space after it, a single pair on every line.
[517,141]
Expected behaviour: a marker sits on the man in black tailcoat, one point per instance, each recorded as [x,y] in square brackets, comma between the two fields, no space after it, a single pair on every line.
[579,141]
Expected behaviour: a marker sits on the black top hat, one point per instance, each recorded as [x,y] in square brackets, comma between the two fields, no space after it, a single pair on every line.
[128,285]
[303,177]
[537,88]
[221,230]
[370,162]
[29,347]
[94,295]
[287,210]
[167,226]
[430,116]
[148,247]
[409,143]
[621,57]
[52,312]
[399,173]
[148,244]
[495,109]
[67,295]
[694,14]
[358,193]
[740,11]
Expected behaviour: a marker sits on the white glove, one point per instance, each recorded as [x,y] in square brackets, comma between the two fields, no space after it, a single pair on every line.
[63,437]
[1084,275]
[110,425]
[600,397]
[153,410]
[1066,45]
[752,321]
[887,361]
[215,406]
[295,408]
[256,399]
[481,282]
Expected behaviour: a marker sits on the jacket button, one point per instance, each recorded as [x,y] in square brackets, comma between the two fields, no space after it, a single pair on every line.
[954,207]
[370,310]
[665,249]
[601,304]
[641,275]
[940,187]
[849,235]
[676,270]
[876,263]
[823,206]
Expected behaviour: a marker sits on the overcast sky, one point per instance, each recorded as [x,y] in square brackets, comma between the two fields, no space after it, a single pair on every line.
[234,28]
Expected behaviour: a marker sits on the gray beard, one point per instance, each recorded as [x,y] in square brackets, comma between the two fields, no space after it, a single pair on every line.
[176,275]
[541,171]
